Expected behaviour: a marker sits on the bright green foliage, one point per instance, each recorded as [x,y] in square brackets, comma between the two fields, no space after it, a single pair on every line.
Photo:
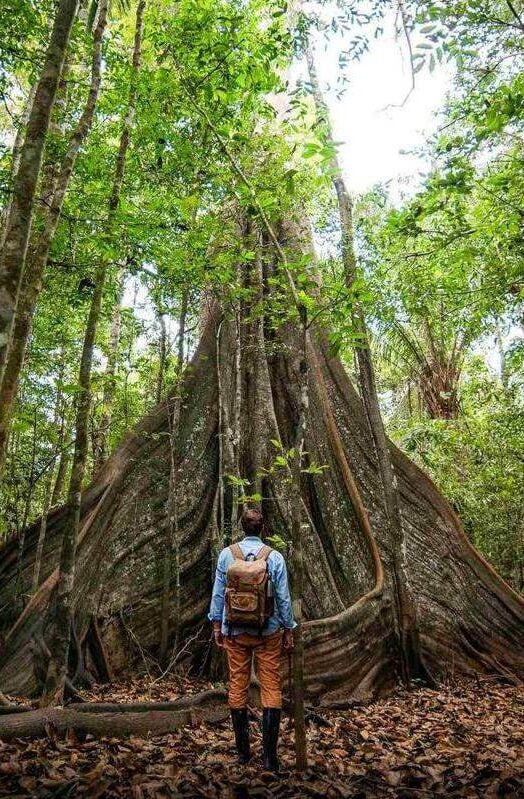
[175,228]
[445,279]
[439,274]
[477,461]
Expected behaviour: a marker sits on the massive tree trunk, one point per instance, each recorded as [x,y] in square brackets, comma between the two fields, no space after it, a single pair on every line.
[469,620]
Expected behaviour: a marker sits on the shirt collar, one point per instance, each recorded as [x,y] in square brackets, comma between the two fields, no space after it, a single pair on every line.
[252,538]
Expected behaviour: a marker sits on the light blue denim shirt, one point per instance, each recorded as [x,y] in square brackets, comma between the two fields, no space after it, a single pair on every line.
[283,615]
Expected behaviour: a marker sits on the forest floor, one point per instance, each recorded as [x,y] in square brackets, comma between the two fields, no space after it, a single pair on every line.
[459,741]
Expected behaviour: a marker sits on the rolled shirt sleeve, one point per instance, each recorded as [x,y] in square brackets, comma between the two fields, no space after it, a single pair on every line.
[283,603]
[216,608]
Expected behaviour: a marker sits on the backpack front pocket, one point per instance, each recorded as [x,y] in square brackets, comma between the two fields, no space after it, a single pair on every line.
[245,602]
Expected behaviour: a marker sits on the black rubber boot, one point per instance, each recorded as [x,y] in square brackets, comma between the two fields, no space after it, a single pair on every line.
[240,721]
[270,728]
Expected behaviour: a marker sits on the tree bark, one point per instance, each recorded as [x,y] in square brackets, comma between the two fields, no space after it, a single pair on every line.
[162,354]
[48,493]
[60,618]
[298,531]
[18,225]
[61,475]
[27,506]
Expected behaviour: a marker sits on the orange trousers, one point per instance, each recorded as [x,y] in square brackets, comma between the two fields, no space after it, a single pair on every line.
[267,650]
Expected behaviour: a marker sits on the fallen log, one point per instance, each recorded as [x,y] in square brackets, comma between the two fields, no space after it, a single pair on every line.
[194,700]
[8,710]
[38,723]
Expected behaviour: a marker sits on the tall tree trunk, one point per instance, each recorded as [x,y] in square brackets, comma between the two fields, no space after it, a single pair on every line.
[221,427]
[31,283]
[61,474]
[162,354]
[15,157]
[171,558]
[61,615]
[109,390]
[298,529]
[404,616]
[18,224]
[27,505]
[235,427]
[48,493]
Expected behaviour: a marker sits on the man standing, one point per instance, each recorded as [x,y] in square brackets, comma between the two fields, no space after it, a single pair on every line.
[234,593]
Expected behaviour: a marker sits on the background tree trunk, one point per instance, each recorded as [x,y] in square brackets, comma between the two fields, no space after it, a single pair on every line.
[61,474]
[58,422]
[38,254]
[27,505]
[162,355]
[60,618]
[15,157]
[18,224]
[171,559]
[100,445]
[61,615]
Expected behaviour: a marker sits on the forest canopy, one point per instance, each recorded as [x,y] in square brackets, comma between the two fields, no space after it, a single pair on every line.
[440,267]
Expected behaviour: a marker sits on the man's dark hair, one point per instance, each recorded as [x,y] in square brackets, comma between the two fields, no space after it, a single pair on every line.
[252,522]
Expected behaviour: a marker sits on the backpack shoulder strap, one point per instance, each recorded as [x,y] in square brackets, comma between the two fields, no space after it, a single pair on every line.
[263,553]
[236,551]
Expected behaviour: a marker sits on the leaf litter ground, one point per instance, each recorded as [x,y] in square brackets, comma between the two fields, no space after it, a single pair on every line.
[459,741]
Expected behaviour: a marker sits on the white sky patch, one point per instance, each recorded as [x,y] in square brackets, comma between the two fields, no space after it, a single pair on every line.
[375,134]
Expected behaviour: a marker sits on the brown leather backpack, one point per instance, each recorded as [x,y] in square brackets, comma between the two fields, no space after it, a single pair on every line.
[249,593]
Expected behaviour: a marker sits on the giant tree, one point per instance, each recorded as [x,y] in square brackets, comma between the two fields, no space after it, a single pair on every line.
[467,619]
